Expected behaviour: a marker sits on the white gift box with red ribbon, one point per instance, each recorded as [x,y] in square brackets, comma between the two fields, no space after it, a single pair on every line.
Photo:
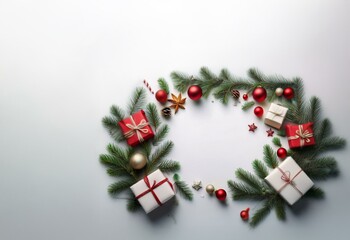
[153,190]
[275,116]
[289,180]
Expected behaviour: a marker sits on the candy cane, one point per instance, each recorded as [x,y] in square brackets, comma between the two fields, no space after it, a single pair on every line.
[148,86]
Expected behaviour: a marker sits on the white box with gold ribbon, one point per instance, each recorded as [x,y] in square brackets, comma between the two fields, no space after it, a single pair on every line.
[275,116]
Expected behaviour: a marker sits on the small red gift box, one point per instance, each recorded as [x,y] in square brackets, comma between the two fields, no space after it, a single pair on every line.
[136,128]
[300,135]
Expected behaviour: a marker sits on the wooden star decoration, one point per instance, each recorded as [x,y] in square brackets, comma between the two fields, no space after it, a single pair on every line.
[177,102]
[270,132]
[252,127]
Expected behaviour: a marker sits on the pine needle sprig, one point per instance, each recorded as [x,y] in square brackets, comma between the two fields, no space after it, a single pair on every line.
[277,142]
[250,179]
[137,101]
[161,134]
[133,204]
[260,169]
[247,105]
[160,152]
[168,166]
[270,158]
[163,85]
[184,190]
[153,116]
[181,81]
[120,186]
[263,212]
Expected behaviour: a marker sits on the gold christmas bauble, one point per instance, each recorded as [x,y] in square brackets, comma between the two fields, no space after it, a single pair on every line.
[138,161]
[210,189]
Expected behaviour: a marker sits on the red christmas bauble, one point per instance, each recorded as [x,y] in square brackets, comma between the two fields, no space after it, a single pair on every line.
[282,153]
[288,93]
[259,94]
[245,97]
[258,111]
[220,194]
[194,92]
[245,214]
[161,96]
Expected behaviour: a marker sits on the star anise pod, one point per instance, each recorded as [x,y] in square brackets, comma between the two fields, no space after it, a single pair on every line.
[177,102]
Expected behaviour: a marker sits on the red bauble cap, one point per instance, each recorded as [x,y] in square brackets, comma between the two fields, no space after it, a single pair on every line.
[259,94]
[161,96]
[194,92]
[220,194]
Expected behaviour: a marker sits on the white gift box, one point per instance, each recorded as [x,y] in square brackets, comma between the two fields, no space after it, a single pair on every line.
[275,116]
[152,191]
[289,180]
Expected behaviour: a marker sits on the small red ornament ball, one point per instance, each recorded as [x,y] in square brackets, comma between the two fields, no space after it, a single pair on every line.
[245,214]
[282,153]
[259,94]
[161,96]
[288,93]
[245,97]
[258,111]
[194,92]
[220,194]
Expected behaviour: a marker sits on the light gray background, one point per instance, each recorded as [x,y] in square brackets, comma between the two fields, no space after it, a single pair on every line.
[63,63]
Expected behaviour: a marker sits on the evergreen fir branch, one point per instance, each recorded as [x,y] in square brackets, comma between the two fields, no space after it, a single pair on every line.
[324,129]
[247,105]
[223,92]
[299,99]
[169,166]
[181,81]
[313,111]
[120,166]
[281,133]
[256,75]
[120,186]
[111,124]
[241,191]
[277,142]
[209,81]
[163,85]
[260,169]
[270,157]
[225,75]
[184,190]
[331,143]
[206,74]
[153,116]
[280,208]
[262,213]
[160,134]
[116,171]
[320,168]
[146,148]
[118,152]
[137,101]
[161,152]
[314,192]
[117,112]
[249,179]
[133,204]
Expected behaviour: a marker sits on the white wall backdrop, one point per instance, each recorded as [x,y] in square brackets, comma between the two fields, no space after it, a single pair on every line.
[63,63]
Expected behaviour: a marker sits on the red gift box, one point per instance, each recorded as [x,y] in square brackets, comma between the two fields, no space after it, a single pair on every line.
[300,135]
[136,128]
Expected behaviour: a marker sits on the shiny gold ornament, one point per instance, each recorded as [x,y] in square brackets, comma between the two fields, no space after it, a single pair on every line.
[210,189]
[138,161]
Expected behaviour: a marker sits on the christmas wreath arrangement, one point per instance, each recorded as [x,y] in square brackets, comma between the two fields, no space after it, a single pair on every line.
[281,179]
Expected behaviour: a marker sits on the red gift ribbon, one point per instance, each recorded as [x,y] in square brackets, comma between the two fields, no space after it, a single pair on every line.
[303,135]
[286,178]
[136,129]
[152,187]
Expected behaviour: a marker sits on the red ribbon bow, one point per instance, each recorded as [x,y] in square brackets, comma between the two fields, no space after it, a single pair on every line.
[152,187]
[286,178]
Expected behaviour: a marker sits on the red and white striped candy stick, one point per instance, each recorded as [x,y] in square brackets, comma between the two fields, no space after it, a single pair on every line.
[148,86]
